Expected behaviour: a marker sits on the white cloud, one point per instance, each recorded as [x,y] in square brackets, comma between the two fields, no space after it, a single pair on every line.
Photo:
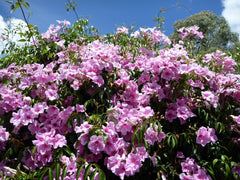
[3,25]
[12,25]
[231,13]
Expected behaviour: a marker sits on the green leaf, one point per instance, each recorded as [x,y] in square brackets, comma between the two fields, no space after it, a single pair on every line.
[22,40]
[227,169]
[42,174]
[64,173]
[26,5]
[134,135]
[12,7]
[58,168]
[50,174]
[224,157]
[211,171]
[140,136]
[79,170]
[86,173]
[159,127]
[114,119]
[50,55]
[10,2]
[93,175]
[67,150]
[88,102]
[102,175]
[112,111]
[214,162]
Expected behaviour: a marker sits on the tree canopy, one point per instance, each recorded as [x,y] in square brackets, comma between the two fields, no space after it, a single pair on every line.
[215,29]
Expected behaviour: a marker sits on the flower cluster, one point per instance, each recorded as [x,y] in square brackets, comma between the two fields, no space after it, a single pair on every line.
[123,165]
[52,33]
[4,136]
[108,105]
[190,32]
[192,171]
[152,34]
[205,135]
[122,30]
[220,62]
[151,136]
[236,169]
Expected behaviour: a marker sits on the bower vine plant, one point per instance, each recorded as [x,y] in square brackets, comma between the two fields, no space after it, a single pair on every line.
[77,105]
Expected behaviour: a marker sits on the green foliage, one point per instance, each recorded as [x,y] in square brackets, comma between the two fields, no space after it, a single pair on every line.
[160,20]
[17,4]
[217,158]
[71,5]
[215,29]
[235,53]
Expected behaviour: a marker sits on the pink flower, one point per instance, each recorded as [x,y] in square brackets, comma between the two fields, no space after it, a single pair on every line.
[48,140]
[113,162]
[210,97]
[146,112]
[39,108]
[136,34]
[200,174]
[153,159]
[170,115]
[145,77]
[161,135]
[51,94]
[110,129]
[236,119]
[96,144]
[124,127]
[123,30]
[133,163]
[71,165]
[117,165]
[52,111]
[27,117]
[98,80]
[189,166]
[206,135]
[83,138]
[80,108]
[58,141]
[180,155]
[64,22]
[34,127]
[236,169]
[167,74]
[151,136]
[24,116]
[85,127]
[192,171]
[141,151]
[110,146]
[76,84]
[4,135]
[190,31]
[183,113]
[184,176]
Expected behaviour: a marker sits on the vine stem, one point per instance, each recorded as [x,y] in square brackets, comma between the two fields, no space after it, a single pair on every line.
[25,19]
[74,10]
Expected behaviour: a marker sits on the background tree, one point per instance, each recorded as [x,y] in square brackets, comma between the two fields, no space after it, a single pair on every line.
[215,29]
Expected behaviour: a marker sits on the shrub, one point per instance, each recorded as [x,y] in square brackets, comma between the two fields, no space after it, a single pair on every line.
[124,105]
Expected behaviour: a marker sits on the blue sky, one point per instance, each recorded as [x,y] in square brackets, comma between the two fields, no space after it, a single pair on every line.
[105,15]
